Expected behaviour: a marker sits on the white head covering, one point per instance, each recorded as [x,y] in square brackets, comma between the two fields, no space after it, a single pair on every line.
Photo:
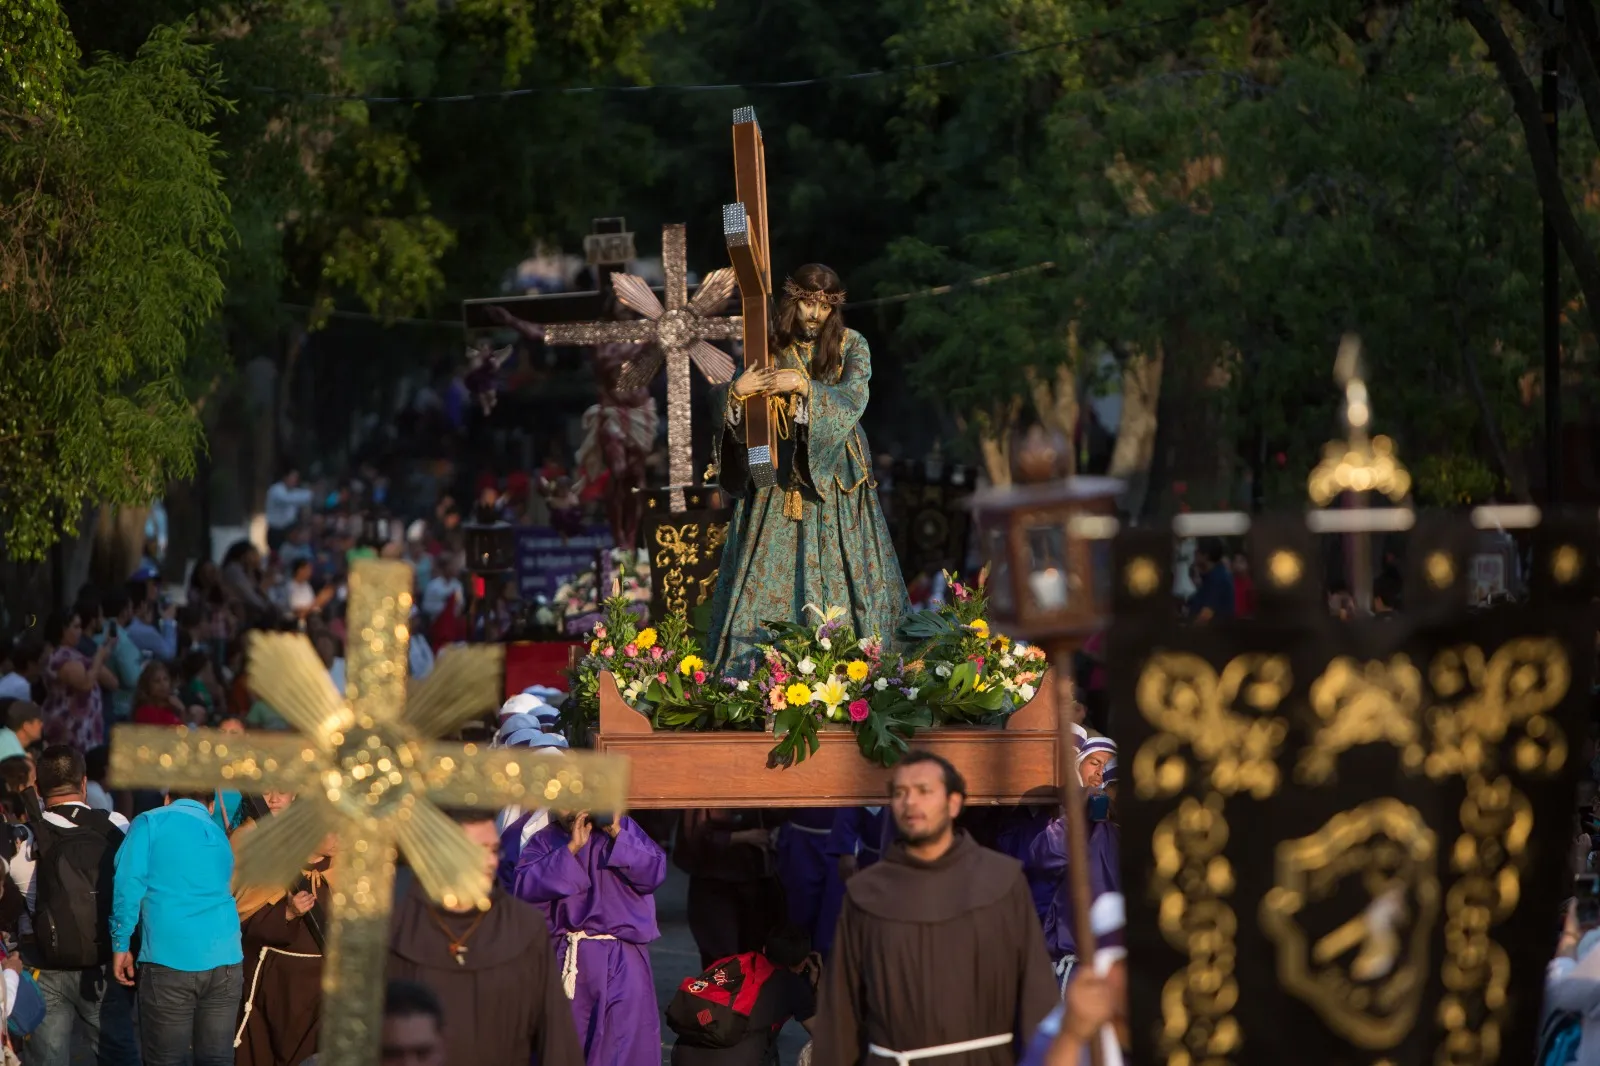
[522,703]
[1089,746]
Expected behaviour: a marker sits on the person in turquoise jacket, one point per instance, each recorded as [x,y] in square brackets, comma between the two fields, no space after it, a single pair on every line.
[174,886]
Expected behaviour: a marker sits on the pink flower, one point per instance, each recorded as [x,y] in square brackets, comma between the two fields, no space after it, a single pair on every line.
[655,652]
[960,590]
[699,677]
[631,650]
[662,677]
[858,710]
[600,631]
[978,661]
[780,677]
[608,651]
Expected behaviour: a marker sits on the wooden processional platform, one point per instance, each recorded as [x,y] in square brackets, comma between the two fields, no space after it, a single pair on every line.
[1017,764]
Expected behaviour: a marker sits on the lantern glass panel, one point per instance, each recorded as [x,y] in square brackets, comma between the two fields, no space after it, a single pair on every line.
[1002,600]
[1047,566]
[1100,579]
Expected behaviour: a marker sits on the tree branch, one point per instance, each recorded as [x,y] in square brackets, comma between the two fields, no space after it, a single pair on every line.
[1525,102]
[1581,49]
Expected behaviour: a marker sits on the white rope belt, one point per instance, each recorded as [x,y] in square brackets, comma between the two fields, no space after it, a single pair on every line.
[905,1058]
[569,965]
[255,979]
[809,829]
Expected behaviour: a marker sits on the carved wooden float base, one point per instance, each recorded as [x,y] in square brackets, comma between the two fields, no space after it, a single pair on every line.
[1017,764]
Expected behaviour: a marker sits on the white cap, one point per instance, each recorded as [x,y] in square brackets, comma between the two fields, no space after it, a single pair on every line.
[522,703]
[1108,913]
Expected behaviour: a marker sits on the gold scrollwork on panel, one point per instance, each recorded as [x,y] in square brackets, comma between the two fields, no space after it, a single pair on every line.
[1363,703]
[680,545]
[1182,696]
[708,587]
[1497,820]
[1191,880]
[716,536]
[1366,977]
[1481,699]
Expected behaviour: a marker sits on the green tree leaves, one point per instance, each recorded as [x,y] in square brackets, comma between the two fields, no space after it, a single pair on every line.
[114,226]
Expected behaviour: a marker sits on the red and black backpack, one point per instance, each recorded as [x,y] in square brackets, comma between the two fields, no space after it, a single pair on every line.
[713,1009]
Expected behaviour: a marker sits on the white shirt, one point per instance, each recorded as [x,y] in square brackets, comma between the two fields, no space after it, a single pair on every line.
[23,867]
[15,686]
[285,504]
[301,596]
[438,593]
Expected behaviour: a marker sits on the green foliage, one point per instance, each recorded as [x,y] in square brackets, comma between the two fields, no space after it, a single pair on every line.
[114,228]
[37,55]
[1239,190]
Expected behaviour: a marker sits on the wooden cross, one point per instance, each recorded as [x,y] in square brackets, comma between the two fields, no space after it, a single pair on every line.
[367,768]
[678,334]
[744,227]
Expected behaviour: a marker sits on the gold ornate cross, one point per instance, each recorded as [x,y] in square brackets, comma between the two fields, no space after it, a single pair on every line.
[679,333]
[367,768]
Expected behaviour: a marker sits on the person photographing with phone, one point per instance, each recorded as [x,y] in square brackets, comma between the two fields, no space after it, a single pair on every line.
[594,875]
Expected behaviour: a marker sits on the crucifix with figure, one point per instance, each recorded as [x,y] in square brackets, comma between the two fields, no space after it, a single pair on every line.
[367,768]
[678,334]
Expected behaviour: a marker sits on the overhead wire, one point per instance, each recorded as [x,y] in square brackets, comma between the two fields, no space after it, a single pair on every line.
[1193,15]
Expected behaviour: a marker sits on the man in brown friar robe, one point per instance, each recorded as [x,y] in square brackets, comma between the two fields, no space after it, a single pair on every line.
[938,957]
[494,971]
[281,930]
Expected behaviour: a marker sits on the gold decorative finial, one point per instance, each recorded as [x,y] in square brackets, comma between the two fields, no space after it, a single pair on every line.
[1358,463]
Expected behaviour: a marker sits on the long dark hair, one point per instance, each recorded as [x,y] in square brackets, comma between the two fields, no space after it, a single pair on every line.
[827,361]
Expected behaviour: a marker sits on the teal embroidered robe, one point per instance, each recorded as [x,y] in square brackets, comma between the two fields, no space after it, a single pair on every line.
[839,552]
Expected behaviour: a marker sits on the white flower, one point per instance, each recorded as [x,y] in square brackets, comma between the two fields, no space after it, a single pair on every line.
[864,643]
[806,666]
[1025,690]
[1007,662]
[633,690]
[743,686]
[942,670]
[911,693]
[827,645]
[881,684]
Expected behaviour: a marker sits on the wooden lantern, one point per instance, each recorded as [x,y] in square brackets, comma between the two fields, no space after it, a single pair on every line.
[1049,560]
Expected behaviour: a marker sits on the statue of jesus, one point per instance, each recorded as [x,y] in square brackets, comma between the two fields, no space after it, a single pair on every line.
[818,535]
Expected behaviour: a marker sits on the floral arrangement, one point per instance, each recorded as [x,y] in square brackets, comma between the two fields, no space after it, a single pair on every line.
[820,675]
[581,597]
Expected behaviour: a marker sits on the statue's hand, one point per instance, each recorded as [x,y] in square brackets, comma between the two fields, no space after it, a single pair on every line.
[787,381]
[753,382]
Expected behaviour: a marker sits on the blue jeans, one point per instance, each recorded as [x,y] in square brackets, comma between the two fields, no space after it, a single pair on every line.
[91,998]
[179,1009]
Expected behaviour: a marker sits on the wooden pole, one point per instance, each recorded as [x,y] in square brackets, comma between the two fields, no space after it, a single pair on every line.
[1077,823]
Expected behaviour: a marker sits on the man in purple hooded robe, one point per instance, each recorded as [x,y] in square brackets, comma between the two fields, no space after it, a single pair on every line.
[854,842]
[596,890]
[1048,857]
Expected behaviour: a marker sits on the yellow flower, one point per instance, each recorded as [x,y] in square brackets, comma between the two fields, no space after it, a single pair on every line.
[690,664]
[980,627]
[798,693]
[830,694]
[857,670]
[646,639]
[1005,641]
[980,686]
[594,647]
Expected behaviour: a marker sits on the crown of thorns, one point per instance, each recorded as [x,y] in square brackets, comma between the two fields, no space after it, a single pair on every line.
[821,296]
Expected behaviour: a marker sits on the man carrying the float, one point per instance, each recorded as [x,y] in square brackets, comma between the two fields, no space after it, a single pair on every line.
[938,957]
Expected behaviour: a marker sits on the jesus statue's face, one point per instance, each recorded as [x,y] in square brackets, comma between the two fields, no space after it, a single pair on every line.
[813,313]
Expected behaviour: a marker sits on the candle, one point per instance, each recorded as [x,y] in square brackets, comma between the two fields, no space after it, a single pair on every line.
[1049,589]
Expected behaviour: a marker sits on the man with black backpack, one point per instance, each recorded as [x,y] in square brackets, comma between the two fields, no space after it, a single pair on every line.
[731,1014]
[65,870]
